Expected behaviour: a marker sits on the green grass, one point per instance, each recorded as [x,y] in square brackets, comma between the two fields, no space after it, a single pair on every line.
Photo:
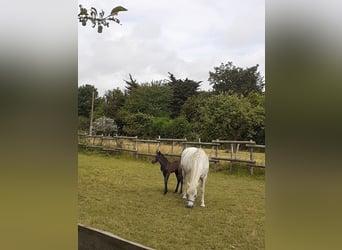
[125,196]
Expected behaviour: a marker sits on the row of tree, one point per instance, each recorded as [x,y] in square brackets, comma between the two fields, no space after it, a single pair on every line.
[234,109]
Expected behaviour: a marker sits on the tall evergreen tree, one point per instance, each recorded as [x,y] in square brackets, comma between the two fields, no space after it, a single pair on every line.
[132,84]
[113,101]
[181,91]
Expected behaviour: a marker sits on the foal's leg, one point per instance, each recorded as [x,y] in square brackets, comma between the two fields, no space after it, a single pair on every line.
[202,190]
[166,178]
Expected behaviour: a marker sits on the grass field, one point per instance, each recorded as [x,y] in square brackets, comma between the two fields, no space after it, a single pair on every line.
[125,196]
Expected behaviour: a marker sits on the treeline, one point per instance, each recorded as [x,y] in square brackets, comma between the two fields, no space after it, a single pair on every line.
[175,108]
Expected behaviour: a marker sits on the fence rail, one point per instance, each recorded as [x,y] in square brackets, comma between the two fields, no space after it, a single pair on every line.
[95,239]
[222,150]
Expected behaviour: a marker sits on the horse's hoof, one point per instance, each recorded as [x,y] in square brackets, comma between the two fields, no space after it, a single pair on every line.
[202,205]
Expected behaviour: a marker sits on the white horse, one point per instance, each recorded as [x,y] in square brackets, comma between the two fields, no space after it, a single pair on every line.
[195,166]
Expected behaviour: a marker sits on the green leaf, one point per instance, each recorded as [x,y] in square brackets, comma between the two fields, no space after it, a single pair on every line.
[93,11]
[84,12]
[117,9]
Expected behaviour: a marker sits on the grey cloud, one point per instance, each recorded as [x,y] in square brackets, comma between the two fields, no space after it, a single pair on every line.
[187,38]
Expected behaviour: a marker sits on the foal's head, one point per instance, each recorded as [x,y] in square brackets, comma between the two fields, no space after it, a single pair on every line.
[157,157]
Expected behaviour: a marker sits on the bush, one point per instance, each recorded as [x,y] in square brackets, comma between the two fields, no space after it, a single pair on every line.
[83,123]
[105,125]
[160,127]
[180,128]
[138,124]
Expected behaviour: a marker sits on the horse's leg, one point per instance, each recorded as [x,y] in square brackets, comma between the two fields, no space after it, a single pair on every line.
[180,179]
[202,189]
[176,173]
[183,183]
[166,178]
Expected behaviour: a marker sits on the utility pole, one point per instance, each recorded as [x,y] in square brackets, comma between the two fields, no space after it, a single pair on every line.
[91,113]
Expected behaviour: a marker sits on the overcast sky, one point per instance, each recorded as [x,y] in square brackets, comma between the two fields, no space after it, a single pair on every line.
[185,37]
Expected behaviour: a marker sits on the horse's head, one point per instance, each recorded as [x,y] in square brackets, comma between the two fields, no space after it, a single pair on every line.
[191,195]
[156,158]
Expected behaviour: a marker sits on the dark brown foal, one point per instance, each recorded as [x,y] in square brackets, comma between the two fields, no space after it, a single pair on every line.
[167,168]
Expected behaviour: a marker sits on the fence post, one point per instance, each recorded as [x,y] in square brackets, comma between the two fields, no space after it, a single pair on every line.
[136,147]
[237,149]
[231,156]
[251,157]
[116,141]
[158,149]
[216,152]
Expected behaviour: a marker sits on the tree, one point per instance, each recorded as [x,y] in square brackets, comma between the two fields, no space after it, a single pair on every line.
[170,128]
[258,103]
[98,18]
[83,124]
[181,91]
[160,127]
[137,124]
[132,84]
[150,98]
[99,107]
[84,99]
[224,116]
[179,128]
[113,101]
[230,79]
[191,109]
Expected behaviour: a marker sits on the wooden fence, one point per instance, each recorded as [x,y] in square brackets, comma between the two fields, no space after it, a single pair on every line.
[217,150]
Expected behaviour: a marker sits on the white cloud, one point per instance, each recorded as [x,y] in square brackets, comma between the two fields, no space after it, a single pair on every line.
[185,37]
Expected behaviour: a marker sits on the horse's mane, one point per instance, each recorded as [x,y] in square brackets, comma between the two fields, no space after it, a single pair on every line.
[193,160]
[163,157]
[194,170]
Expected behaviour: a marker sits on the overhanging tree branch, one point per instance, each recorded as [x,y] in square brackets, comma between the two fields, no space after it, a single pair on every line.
[98,18]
